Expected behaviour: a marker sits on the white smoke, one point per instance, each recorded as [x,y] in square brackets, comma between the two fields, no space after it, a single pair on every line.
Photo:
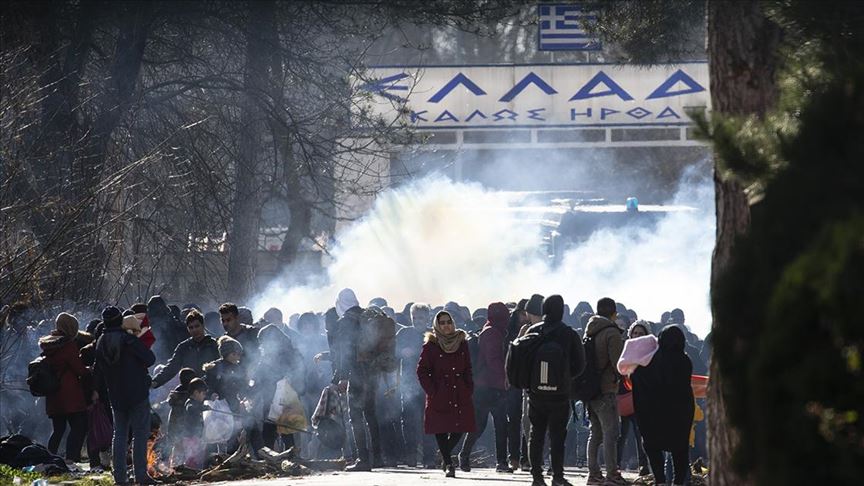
[436,240]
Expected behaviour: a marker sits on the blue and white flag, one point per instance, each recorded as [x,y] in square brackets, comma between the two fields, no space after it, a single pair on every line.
[562,28]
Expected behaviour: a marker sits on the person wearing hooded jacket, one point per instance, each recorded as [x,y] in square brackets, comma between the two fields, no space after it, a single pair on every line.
[121,362]
[664,405]
[67,405]
[603,416]
[551,412]
[361,380]
[491,386]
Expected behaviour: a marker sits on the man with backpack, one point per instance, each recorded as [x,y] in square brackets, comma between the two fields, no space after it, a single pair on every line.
[544,362]
[490,386]
[361,348]
[603,345]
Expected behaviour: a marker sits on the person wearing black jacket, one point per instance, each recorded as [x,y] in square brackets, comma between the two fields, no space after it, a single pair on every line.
[121,365]
[551,412]
[193,353]
[663,400]
[245,334]
[362,381]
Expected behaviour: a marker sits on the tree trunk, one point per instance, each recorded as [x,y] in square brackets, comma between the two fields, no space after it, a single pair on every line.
[742,54]
[246,215]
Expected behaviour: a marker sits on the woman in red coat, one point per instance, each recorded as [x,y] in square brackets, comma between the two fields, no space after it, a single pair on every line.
[444,372]
[67,405]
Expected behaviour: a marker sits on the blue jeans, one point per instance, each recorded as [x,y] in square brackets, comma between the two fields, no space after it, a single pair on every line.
[136,419]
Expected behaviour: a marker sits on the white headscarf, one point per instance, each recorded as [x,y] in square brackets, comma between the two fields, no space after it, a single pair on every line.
[345,300]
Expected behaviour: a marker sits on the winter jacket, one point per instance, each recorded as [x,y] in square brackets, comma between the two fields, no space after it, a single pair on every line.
[248,338]
[227,380]
[188,354]
[608,344]
[194,418]
[177,415]
[663,396]
[343,344]
[446,379]
[492,342]
[121,368]
[62,355]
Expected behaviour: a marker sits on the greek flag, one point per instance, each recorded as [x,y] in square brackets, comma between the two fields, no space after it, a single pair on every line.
[561,28]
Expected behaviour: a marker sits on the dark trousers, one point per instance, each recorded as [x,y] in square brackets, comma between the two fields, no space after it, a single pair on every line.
[412,429]
[626,424]
[446,443]
[77,433]
[488,401]
[548,416]
[361,411]
[514,423]
[679,462]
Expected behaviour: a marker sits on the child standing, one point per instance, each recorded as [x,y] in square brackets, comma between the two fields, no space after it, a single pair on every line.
[193,447]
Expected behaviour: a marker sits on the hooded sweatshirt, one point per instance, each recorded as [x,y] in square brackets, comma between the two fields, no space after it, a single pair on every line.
[608,345]
[493,338]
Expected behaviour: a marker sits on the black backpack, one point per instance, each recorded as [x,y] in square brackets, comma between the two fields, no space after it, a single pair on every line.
[586,386]
[550,366]
[520,360]
[41,378]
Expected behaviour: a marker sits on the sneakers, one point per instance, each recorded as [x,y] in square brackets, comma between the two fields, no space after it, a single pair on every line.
[451,472]
[538,481]
[503,468]
[615,480]
[359,466]
[561,482]
[465,463]
[595,479]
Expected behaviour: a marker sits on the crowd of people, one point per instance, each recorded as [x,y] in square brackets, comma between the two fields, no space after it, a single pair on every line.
[376,386]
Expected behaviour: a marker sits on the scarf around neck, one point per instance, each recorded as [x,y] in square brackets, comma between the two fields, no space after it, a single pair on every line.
[451,343]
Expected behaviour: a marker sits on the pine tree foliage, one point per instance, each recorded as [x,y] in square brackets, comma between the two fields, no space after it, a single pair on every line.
[791,352]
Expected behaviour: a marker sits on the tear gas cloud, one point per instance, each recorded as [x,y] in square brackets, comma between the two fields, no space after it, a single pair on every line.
[435,240]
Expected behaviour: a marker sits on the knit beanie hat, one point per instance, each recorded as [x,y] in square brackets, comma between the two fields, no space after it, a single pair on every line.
[186,375]
[228,345]
[112,317]
[67,324]
[535,305]
[553,308]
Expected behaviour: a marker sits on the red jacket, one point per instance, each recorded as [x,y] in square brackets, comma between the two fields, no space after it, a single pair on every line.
[492,352]
[63,355]
[446,379]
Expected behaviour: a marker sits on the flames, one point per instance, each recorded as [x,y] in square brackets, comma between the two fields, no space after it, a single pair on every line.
[155,467]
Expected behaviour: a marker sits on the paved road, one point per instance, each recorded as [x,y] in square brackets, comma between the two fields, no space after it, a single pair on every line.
[411,477]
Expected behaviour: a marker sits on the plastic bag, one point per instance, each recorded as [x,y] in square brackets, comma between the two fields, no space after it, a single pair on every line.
[287,410]
[101,431]
[218,424]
